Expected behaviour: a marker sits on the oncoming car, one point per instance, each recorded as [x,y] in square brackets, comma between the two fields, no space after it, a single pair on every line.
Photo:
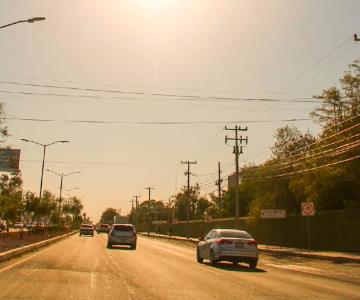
[122,234]
[86,229]
[228,245]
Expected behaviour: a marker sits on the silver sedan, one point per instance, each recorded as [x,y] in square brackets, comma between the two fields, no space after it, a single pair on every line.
[228,245]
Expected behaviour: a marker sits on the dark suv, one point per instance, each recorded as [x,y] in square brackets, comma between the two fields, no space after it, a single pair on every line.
[103,228]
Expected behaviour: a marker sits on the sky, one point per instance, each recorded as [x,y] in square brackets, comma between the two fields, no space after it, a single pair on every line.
[133,52]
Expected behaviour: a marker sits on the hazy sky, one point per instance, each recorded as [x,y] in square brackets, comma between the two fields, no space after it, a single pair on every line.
[224,48]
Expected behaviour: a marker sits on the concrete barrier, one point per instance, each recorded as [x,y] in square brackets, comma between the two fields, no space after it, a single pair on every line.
[28,248]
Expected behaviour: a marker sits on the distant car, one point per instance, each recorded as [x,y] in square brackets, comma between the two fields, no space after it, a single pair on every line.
[228,245]
[19,225]
[122,234]
[86,229]
[103,228]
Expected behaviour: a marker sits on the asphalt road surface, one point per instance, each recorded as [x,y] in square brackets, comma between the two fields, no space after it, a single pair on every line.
[82,268]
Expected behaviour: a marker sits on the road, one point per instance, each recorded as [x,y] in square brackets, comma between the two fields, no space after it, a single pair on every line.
[82,268]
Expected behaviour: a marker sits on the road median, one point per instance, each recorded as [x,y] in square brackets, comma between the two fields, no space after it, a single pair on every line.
[339,257]
[31,247]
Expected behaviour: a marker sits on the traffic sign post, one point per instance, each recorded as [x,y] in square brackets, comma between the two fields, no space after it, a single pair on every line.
[308,210]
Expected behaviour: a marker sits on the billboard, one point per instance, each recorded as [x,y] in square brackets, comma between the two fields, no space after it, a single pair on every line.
[9,160]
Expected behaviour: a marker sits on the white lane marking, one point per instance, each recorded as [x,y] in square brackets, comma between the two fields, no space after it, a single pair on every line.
[92,281]
[298,268]
[29,257]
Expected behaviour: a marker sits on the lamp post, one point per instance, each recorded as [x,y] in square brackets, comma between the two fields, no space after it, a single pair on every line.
[69,190]
[32,20]
[43,160]
[62,175]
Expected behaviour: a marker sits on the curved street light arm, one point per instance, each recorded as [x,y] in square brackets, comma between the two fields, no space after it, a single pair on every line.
[31,141]
[56,173]
[57,142]
[31,20]
[76,172]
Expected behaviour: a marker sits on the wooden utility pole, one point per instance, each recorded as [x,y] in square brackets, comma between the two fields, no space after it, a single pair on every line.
[149,208]
[237,150]
[219,181]
[188,173]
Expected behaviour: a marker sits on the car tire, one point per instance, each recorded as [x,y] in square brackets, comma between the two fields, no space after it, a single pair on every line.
[253,263]
[212,257]
[109,245]
[80,234]
[133,246]
[199,259]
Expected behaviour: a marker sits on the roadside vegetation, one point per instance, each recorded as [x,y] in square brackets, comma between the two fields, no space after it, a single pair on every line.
[19,205]
[324,169]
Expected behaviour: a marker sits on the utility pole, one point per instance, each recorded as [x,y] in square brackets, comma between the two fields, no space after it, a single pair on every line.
[219,181]
[237,150]
[136,201]
[149,207]
[132,204]
[136,210]
[188,173]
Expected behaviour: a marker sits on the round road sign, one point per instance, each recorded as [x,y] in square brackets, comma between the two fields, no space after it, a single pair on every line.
[307,209]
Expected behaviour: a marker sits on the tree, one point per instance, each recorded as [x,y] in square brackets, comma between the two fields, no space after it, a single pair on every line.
[11,205]
[108,215]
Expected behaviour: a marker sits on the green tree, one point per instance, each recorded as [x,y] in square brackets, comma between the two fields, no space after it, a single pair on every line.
[108,215]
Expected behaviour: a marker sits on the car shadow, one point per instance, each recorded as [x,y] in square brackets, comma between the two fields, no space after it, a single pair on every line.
[119,248]
[234,268]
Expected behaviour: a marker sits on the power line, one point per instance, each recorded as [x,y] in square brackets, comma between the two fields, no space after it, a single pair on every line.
[324,68]
[152,122]
[315,64]
[307,170]
[138,93]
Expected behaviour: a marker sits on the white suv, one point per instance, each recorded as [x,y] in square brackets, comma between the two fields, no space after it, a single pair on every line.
[122,234]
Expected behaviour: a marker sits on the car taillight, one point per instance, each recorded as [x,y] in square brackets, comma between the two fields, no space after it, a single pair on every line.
[223,242]
[252,243]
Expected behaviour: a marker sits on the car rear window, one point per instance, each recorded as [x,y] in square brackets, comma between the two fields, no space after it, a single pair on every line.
[86,226]
[123,228]
[235,234]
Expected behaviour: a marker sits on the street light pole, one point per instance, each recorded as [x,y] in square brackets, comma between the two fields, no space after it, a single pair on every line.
[61,175]
[32,20]
[43,160]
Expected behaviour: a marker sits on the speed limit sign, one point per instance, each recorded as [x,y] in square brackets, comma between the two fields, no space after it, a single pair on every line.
[307,209]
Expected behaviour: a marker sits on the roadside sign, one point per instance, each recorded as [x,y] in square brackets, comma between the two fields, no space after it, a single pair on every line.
[273,213]
[9,160]
[307,209]
[158,222]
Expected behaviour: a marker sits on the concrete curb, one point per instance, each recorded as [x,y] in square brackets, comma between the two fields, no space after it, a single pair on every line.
[314,255]
[280,251]
[28,248]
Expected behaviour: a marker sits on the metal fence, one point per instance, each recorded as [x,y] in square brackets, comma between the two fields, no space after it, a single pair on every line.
[337,230]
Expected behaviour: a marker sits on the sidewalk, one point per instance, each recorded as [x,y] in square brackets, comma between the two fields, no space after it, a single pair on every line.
[341,257]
